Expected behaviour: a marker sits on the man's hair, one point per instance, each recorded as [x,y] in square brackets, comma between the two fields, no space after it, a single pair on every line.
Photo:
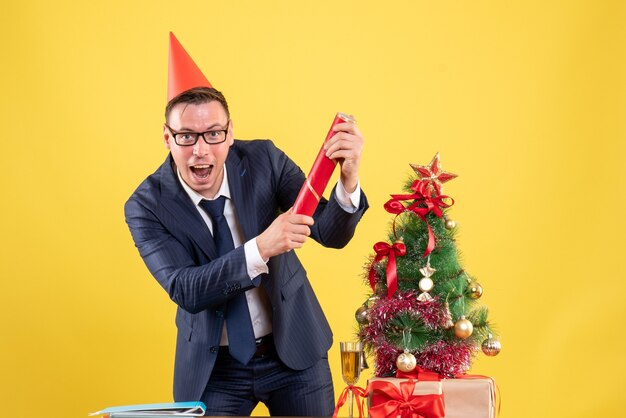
[197,95]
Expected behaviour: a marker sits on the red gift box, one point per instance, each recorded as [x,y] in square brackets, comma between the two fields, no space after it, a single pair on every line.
[315,184]
[405,398]
[469,397]
[466,397]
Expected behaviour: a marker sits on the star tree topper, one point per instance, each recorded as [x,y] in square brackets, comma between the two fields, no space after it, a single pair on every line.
[433,174]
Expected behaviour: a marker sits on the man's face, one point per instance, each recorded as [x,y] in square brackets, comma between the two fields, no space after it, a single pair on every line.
[201,165]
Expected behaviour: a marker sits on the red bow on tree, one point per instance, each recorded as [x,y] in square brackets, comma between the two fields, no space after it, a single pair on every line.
[385,250]
[423,204]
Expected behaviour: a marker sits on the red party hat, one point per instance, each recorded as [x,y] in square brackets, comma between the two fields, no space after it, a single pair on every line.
[183,73]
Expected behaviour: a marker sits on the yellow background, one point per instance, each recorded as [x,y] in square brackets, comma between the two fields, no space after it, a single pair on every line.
[526,100]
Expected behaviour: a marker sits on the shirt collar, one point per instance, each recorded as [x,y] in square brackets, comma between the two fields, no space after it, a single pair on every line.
[196,197]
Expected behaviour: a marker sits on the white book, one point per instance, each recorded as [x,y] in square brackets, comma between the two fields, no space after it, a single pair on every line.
[155,410]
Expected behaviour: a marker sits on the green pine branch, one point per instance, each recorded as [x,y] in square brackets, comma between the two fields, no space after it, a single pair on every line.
[407,331]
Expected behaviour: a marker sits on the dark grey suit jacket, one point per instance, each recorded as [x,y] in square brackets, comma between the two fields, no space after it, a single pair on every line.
[177,248]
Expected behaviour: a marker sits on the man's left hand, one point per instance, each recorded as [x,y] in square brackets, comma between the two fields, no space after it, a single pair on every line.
[346,147]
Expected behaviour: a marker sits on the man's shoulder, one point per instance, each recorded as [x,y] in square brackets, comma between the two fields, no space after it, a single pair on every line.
[258,153]
[248,146]
[150,188]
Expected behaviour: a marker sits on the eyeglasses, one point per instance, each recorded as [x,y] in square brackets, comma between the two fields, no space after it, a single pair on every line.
[187,139]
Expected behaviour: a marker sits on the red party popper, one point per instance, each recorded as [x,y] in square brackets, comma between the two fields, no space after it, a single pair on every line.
[323,167]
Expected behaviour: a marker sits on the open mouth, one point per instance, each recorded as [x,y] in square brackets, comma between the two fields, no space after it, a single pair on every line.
[201,171]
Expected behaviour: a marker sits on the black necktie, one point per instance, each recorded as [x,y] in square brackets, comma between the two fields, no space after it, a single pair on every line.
[241,343]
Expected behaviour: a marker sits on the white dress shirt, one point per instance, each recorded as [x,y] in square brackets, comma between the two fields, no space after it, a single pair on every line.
[258,303]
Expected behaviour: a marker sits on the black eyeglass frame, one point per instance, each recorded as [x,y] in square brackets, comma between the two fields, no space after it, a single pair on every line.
[198,135]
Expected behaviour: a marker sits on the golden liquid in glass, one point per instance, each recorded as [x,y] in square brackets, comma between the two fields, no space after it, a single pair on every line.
[350,366]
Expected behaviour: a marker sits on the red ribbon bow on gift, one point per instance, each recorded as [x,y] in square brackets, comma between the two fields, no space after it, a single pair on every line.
[420,374]
[385,250]
[358,393]
[423,204]
[401,402]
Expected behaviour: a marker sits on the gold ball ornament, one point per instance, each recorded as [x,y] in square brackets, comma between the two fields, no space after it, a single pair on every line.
[474,290]
[491,346]
[463,328]
[450,224]
[406,362]
[361,315]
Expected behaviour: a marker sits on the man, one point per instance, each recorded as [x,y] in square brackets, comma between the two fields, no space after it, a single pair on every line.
[250,328]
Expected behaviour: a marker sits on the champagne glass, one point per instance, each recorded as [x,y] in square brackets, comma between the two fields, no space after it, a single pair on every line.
[350,367]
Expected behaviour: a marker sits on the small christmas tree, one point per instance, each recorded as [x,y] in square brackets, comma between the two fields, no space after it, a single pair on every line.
[423,308]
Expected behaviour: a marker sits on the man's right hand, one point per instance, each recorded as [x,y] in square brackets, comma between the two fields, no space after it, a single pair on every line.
[287,232]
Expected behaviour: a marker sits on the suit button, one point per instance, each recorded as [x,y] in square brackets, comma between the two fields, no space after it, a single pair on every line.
[220,314]
[214,349]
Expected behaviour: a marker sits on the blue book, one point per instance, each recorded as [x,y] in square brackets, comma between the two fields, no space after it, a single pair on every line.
[175,409]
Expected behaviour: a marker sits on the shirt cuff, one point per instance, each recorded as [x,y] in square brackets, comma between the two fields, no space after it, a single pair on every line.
[254,263]
[348,201]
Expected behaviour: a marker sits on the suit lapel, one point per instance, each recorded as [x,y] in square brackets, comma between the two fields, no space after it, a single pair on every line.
[241,190]
[175,200]
[242,193]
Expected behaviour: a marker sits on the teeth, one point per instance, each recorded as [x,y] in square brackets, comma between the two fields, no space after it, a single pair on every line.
[202,166]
